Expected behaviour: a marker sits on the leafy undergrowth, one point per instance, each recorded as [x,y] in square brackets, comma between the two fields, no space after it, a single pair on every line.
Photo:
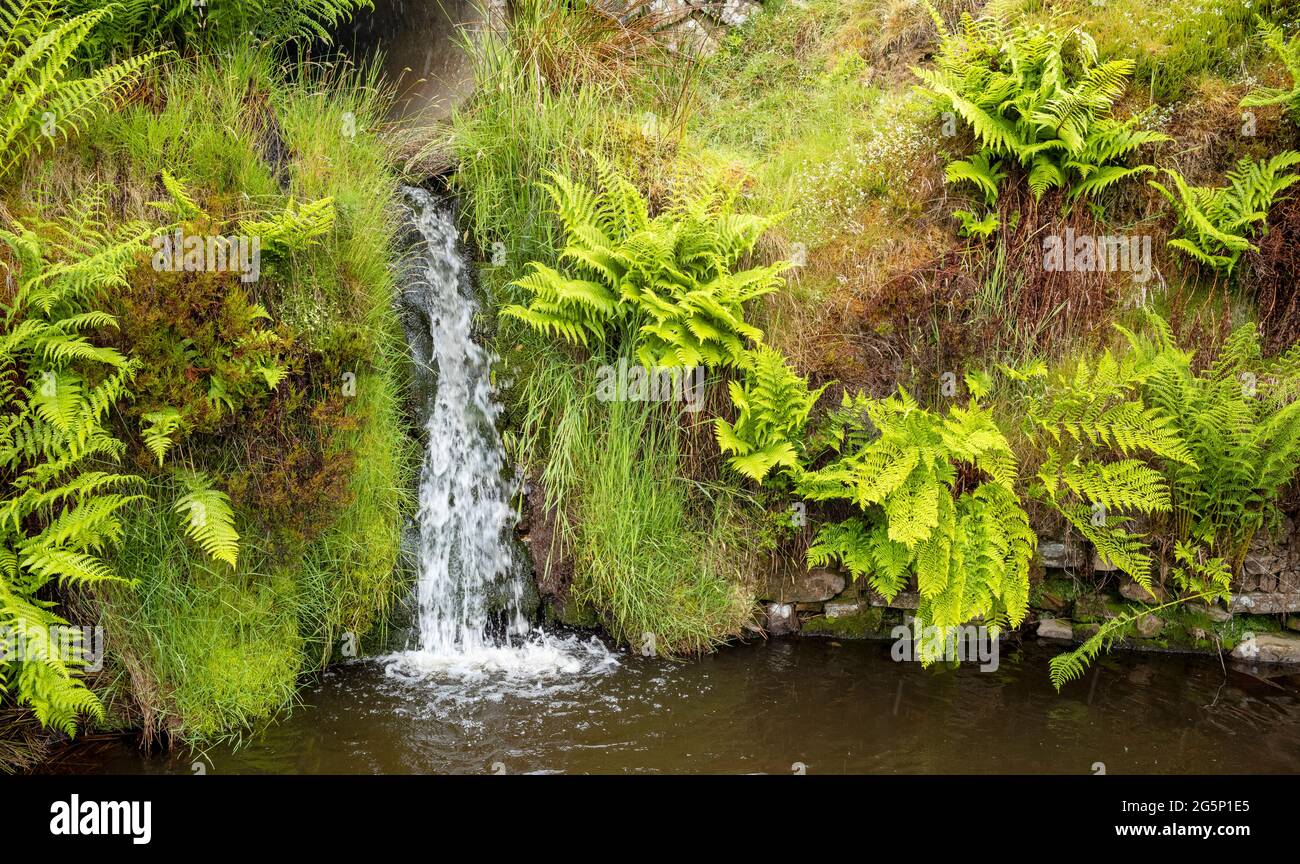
[285,392]
[901,276]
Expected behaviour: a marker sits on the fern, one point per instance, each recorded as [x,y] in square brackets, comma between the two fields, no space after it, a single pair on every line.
[295,228]
[1037,97]
[1288,51]
[967,543]
[1216,224]
[666,284]
[208,518]
[42,101]
[1240,417]
[59,509]
[159,430]
[218,23]
[1097,436]
[773,405]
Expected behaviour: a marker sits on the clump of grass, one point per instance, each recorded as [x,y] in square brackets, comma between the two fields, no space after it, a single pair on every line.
[199,654]
[640,559]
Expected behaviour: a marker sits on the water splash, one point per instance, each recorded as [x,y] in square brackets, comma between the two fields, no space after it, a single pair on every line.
[470,590]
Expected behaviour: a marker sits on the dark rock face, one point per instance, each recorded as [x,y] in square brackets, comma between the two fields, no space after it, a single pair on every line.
[812,586]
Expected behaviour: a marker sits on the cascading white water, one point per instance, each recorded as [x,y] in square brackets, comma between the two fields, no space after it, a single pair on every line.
[469,580]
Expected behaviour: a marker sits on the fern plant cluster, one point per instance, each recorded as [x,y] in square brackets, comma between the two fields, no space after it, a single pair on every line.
[42,98]
[1035,98]
[60,498]
[1218,223]
[936,491]
[132,24]
[1239,417]
[664,288]
[1099,447]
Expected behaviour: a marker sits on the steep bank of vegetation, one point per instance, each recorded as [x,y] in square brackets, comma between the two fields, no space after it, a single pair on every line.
[907,165]
[202,449]
[838,219]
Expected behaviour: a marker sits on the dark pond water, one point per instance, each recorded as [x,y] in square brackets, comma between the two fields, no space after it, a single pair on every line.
[783,706]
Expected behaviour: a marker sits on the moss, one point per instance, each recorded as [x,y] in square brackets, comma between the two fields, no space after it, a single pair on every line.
[868,623]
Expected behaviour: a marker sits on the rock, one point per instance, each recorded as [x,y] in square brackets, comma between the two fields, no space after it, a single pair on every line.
[865,624]
[843,608]
[1262,564]
[1086,631]
[1215,613]
[781,619]
[1055,628]
[1102,565]
[1148,626]
[902,600]
[1131,590]
[1062,555]
[1051,602]
[1293,622]
[1092,606]
[811,586]
[1269,648]
[1265,604]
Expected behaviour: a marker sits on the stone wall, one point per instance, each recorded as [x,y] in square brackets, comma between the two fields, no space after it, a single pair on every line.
[819,601]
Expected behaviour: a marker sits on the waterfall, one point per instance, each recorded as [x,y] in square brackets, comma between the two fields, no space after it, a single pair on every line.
[470,586]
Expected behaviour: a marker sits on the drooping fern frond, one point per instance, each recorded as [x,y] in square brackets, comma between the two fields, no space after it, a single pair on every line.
[1198,576]
[208,518]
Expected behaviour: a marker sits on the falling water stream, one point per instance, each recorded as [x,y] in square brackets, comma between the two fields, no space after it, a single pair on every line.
[470,584]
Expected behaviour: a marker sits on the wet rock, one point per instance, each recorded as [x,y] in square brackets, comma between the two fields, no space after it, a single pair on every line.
[1086,631]
[781,619]
[844,608]
[1131,590]
[1092,606]
[812,586]
[1051,602]
[1055,628]
[902,600]
[1148,626]
[866,623]
[1215,613]
[1269,648]
[1062,555]
[1265,604]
